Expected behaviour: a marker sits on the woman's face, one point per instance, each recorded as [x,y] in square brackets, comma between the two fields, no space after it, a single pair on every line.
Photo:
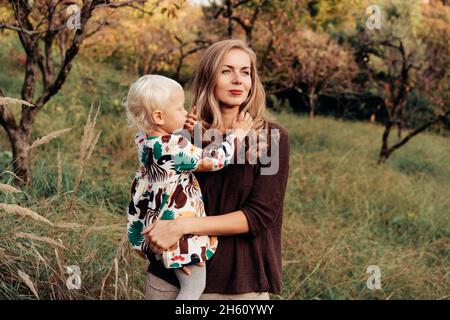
[234,79]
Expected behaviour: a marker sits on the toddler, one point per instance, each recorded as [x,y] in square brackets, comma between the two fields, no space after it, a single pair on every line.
[164,187]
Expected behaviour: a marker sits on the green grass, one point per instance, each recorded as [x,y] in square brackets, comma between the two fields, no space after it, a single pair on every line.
[343,212]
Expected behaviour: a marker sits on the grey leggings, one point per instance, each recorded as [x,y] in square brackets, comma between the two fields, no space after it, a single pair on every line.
[158,289]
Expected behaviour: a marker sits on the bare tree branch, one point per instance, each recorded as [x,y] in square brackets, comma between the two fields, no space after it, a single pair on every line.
[18,29]
[99,27]
[131,4]
[384,155]
[201,44]
[37,35]
[6,118]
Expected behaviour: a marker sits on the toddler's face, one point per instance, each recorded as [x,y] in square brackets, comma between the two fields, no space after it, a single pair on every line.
[175,114]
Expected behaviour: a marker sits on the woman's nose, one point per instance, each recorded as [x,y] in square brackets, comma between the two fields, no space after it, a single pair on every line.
[237,78]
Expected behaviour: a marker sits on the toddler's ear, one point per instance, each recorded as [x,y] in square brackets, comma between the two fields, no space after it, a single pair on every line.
[157,117]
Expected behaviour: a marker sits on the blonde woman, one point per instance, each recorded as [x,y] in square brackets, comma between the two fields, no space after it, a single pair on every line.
[244,203]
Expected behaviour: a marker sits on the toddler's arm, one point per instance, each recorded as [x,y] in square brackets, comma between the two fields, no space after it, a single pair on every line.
[188,157]
[218,158]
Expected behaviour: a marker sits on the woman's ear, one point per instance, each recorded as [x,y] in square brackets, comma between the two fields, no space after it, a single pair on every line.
[157,117]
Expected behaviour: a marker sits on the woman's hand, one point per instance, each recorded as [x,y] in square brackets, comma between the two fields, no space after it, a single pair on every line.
[191,119]
[163,234]
[242,124]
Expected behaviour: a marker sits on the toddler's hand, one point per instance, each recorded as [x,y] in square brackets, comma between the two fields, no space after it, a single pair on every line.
[188,272]
[191,119]
[242,124]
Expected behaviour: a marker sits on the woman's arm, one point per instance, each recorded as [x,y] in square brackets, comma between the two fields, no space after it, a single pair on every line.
[164,233]
[222,225]
[260,210]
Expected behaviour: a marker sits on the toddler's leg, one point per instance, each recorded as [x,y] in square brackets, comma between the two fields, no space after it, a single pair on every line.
[191,286]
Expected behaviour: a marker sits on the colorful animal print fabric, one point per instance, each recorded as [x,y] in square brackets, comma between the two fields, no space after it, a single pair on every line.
[165,188]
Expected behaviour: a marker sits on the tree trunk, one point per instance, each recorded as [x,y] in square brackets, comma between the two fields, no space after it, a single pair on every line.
[249,36]
[20,133]
[229,14]
[21,160]
[312,104]
[399,130]
[385,152]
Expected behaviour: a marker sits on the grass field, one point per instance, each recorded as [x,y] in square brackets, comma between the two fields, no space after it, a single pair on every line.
[342,213]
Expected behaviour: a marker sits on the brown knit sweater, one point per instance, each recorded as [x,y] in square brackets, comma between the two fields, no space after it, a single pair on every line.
[248,262]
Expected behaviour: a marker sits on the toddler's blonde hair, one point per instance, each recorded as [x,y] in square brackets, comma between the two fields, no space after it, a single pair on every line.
[149,93]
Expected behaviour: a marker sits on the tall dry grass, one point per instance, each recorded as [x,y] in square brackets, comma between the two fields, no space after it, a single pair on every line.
[47,138]
[342,212]
[87,146]
[36,247]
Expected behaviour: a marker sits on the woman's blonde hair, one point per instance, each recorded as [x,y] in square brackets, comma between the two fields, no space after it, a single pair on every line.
[149,93]
[205,81]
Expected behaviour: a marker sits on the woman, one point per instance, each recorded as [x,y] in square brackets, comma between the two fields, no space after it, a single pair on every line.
[244,206]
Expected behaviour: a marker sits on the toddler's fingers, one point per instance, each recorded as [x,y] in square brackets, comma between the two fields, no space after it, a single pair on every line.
[191,116]
[148,229]
[189,124]
[156,248]
[186,270]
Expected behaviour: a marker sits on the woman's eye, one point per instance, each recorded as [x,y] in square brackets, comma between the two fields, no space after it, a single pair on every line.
[246,73]
[225,71]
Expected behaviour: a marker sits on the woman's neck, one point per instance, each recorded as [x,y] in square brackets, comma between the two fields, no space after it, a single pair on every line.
[228,114]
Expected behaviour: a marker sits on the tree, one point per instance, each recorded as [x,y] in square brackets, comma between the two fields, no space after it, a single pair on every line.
[329,15]
[243,13]
[313,64]
[291,55]
[409,58]
[168,49]
[43,26]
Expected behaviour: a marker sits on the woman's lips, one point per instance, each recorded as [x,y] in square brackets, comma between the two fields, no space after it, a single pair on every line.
[236,92]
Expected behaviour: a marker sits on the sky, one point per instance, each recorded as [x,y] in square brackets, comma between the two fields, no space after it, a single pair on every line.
[199,1]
